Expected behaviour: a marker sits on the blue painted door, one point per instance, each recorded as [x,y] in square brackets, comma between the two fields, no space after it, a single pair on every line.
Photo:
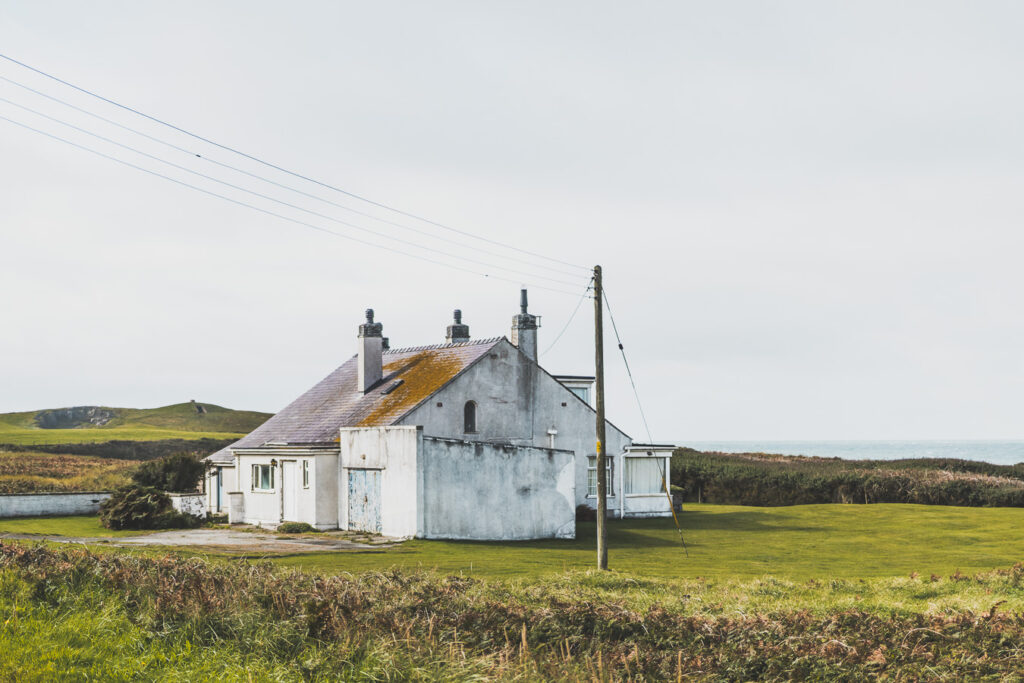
[364,500]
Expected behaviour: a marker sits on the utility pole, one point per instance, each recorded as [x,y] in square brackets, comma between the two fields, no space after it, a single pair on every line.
[602,472]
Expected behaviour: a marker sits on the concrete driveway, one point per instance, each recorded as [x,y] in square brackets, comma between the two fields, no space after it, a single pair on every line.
[237,541]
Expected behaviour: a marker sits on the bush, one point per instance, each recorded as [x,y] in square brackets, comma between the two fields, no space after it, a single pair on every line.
[143,507]
[585,513]
[295,528]
[177,473]
[769,480]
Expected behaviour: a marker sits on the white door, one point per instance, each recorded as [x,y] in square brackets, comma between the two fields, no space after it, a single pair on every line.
[289,491]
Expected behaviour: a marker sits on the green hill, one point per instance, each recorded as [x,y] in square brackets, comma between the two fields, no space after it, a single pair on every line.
[96,424]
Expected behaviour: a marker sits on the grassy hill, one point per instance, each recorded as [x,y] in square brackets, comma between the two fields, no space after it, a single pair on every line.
[96,424]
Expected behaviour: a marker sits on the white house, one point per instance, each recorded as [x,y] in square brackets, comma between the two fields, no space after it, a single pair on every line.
[469,439]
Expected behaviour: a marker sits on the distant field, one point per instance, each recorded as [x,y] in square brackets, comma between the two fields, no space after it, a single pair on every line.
[26,471]
[82,425]
[36,437]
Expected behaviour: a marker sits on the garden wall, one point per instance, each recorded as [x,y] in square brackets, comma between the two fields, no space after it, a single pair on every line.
[51,504]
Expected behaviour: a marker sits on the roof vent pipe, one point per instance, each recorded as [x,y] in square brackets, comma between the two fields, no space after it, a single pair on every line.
[371,349]
[457,332]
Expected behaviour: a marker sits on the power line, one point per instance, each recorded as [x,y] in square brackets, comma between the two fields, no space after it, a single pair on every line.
[284,170]
[569,321]
[629,372]
[195,155]
[650,439]
[271,213]
[278,201]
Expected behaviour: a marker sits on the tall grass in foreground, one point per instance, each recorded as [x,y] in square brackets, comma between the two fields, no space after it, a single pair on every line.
[126,617]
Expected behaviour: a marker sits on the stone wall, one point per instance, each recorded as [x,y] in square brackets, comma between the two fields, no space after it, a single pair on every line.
[51,504]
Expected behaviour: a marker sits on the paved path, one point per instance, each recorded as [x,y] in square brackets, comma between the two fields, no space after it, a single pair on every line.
[230,540]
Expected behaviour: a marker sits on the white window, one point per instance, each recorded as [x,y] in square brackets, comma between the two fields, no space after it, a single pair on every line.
[592,475]
[305,474]
[262,477]
[582,392]
[644,475]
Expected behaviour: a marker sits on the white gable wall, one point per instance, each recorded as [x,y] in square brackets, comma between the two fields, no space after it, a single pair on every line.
[391,451]
[517,402]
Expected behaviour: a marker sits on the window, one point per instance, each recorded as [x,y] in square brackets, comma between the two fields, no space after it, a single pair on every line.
[469,417]
[582,392]
[644,475]
[609,466]
[262,477]
[305,474]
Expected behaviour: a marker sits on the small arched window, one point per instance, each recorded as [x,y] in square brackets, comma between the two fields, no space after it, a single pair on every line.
[469,417]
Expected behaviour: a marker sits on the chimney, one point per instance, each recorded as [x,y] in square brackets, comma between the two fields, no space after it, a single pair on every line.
[371,346]
[524,329]
[457,332]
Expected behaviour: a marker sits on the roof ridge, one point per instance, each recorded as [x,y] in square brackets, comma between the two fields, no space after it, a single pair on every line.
[430,347]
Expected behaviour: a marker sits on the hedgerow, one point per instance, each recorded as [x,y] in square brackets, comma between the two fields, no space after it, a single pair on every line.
[769,480]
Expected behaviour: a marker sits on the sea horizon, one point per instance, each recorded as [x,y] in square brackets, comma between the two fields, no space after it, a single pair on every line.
[994,451]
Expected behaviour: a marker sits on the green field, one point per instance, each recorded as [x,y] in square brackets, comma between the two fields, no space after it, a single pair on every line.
[74,527]
[179,421]
[796,543]
[799,542]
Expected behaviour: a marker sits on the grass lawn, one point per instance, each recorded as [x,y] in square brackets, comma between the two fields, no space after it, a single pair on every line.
[795,543]
[799,542]
[77,526]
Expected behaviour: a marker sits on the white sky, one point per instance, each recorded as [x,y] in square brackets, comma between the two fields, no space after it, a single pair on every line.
[808,213]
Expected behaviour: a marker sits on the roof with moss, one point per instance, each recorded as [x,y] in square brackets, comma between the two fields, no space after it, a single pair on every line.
[411,376]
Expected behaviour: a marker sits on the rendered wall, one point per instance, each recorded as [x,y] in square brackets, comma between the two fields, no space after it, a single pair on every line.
[47,504]
[190,503]
[518,402]
[393,451]
[314,504]
[477,491]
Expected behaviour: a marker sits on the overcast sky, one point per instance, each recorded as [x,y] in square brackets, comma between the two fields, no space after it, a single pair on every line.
[808,213]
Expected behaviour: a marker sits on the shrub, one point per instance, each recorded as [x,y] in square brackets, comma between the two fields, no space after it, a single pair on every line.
[585,513]
[295,528]
[143,507]
[764,479]
[177,473]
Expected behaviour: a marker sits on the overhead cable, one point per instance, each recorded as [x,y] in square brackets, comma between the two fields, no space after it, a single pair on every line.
[272,213]
[194,155]
[286,171]
[590,285]
[278,201]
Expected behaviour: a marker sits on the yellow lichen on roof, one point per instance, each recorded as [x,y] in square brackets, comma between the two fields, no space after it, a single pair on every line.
[422,374]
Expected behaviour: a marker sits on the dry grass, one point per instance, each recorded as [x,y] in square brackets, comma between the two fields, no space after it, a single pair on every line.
[422,626]
[27,472]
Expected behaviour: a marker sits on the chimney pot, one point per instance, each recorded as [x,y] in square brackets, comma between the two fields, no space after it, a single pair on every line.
[457,332]
[524,329]
[370,368]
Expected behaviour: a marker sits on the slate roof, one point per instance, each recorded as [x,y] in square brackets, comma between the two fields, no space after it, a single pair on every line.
[411,376]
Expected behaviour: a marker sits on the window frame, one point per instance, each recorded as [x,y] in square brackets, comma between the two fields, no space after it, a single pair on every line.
[466,426]
[256,478]
[609,464]
[662,471]
[305,473]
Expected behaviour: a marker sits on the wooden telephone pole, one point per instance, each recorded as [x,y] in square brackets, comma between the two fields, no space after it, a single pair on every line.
[602,472]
